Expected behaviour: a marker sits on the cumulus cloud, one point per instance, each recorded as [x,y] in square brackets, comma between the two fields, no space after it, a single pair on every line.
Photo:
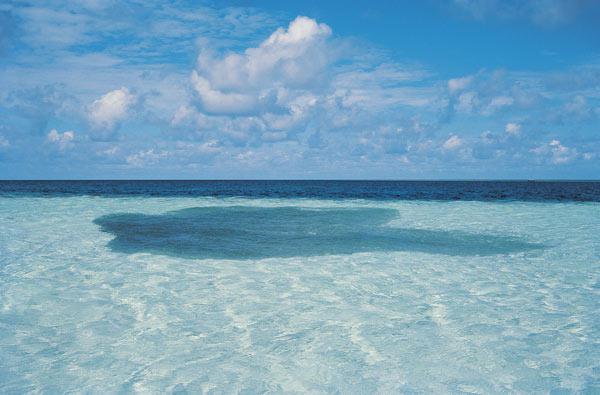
[489,93]
[556,152]
[260,95]
[243,83]
[109,110]
[295,83]
[147,157]
[458,84]
[218,102]
[62,140]
[290,83]
[183,153]
[498,103]
[513,129]
[452,143]
[467,102]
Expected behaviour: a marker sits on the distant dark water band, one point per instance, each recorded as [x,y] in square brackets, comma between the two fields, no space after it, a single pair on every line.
[579,191]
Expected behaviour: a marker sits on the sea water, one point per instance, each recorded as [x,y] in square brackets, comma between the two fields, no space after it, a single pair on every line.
[299,287]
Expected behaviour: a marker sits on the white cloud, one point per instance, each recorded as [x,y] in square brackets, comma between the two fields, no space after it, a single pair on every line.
[215,101]
[579,108]
[291,85]
[296,89]
[467,102]
[4,143]
[589,155]
[452,143]
[365,89]
[556,152]
[63,140]
[458,84]
[498,103]
[109,152]
[241,83]
[209,147]
[181,114]
[47,27]
[110,109]
[501,101]
[488,93]
[377,89]
[147,157]
[514,129]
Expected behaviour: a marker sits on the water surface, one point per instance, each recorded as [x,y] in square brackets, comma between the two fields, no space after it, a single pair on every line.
[540,191]
[129,292]
[266,232]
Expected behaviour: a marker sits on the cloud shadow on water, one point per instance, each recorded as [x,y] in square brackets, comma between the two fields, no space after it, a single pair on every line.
[265,232]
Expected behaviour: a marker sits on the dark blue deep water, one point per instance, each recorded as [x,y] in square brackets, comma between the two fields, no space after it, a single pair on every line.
[380,190]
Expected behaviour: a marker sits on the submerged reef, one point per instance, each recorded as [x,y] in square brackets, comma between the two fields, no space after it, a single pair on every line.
[265,232]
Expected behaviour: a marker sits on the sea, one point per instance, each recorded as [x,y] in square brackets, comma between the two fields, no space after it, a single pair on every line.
[321,287]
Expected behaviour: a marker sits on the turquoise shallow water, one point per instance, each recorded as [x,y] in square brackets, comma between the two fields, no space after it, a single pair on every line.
[114,294]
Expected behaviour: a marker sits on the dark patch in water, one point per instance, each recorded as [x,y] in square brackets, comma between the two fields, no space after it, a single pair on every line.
[259,232]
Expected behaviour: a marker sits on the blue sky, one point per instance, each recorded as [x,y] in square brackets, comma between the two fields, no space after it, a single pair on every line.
[311,89]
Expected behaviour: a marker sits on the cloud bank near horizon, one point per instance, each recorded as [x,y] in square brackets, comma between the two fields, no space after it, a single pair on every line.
[203,92]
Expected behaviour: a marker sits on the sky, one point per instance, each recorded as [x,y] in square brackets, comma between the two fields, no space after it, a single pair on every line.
[457,89]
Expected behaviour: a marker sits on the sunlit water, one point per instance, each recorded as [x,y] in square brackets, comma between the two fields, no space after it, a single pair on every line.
[228,295]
